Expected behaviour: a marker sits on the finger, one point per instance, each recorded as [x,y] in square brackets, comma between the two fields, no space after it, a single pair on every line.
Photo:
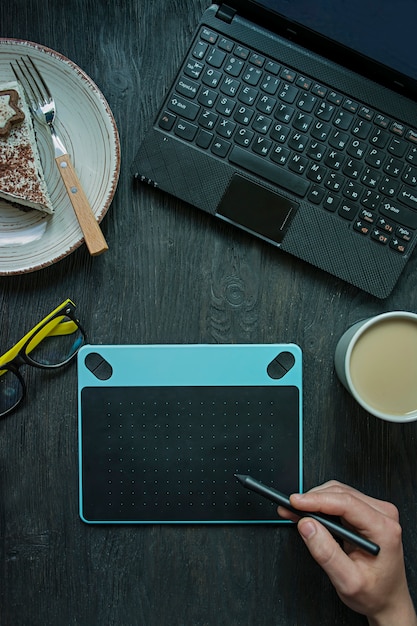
[327,552]
[286,514]
[345,504]
[386,508]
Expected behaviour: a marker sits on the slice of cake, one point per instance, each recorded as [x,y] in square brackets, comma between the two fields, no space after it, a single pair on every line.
[22,181]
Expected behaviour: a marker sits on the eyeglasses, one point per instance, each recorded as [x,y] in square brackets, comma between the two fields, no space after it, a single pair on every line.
[51,344]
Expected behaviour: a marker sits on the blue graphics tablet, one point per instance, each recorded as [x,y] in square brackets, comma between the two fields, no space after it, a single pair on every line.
[164,428]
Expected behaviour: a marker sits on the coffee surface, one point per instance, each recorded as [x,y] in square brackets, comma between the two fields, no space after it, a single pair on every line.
[383,366]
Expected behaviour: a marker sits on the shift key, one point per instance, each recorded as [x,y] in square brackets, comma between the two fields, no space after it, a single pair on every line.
[183,107]
[400,214]
[268,170]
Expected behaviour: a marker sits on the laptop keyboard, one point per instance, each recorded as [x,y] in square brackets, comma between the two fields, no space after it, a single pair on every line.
[299,134]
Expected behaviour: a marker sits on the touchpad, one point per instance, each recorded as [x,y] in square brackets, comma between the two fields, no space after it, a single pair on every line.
[256,209]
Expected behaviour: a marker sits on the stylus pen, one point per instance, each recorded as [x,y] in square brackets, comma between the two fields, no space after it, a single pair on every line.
[335,528]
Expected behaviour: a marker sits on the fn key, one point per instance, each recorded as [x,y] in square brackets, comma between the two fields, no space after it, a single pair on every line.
[166,121]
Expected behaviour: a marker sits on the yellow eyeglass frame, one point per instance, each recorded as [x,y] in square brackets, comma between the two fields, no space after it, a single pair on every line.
[50,326]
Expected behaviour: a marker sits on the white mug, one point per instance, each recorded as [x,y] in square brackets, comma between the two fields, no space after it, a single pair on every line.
[376,360]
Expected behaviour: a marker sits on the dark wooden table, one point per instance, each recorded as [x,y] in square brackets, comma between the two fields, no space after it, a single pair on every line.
[173,275]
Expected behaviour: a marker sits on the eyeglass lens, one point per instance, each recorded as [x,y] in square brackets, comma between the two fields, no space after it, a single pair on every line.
[11,391]
[58,347]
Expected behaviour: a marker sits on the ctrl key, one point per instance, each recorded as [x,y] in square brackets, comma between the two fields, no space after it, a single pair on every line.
[167,120]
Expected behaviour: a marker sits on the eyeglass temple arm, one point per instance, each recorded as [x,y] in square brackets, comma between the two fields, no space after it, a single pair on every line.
[55,328]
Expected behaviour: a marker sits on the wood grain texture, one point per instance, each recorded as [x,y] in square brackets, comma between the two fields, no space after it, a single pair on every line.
[174,275]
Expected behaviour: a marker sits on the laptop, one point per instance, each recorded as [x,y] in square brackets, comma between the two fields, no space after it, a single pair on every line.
[296,121]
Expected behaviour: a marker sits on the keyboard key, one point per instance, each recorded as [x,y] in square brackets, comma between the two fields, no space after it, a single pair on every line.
[220,147]
[261,145]
[366,113]
[307,102]
[352,168]
[243,115]
[167,120]
[361,129]
[272,68]
[367,216]
[216,57]
[378,235]
[226,44]
[298,164]
[319,90]
[208,119]
[410,176]
[207,97]
[361,227]
[234,66]
[243,137]
[252,76]
[316,173]
[398,245]
[386,226]
[229,86]
[331,203]
[298,142]
[200,50]
[203,139]
[280,155]
[288,93]
[271,172]
[404,233]
[288,75]
[399,214]
[185,130]
[266,104]
[270,84]
[248,95]
[193,68]
[382,121]
[409,197]
[280,133]
[211,77]
[225,128]
[343,120]
[225,106]
[208,35]
[335,98]
[242,52]
[316,195]
[303,83]
[284,113]
[348,211]
[371,200]
[397,147]
[183,107]
[187,87]
[261,124]
[257,59]
[412,136]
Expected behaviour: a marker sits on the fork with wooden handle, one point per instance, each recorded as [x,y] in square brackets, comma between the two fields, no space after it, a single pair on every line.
[43,106]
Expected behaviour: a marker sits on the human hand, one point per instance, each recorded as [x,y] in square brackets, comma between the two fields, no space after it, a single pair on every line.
[375,586]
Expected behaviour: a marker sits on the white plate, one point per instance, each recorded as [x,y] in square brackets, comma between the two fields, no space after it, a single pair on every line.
[32,240]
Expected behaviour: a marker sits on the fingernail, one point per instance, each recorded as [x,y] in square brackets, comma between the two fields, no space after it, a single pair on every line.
[307,529]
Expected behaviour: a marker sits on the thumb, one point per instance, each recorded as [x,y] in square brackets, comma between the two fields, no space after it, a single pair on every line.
[325,550]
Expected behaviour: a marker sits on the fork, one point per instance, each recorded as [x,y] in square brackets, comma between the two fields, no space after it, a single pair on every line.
[43,106]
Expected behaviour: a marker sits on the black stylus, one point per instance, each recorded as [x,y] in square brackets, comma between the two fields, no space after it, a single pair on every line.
[335,528]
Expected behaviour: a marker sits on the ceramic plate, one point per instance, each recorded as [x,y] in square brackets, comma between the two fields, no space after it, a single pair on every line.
[32,240]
